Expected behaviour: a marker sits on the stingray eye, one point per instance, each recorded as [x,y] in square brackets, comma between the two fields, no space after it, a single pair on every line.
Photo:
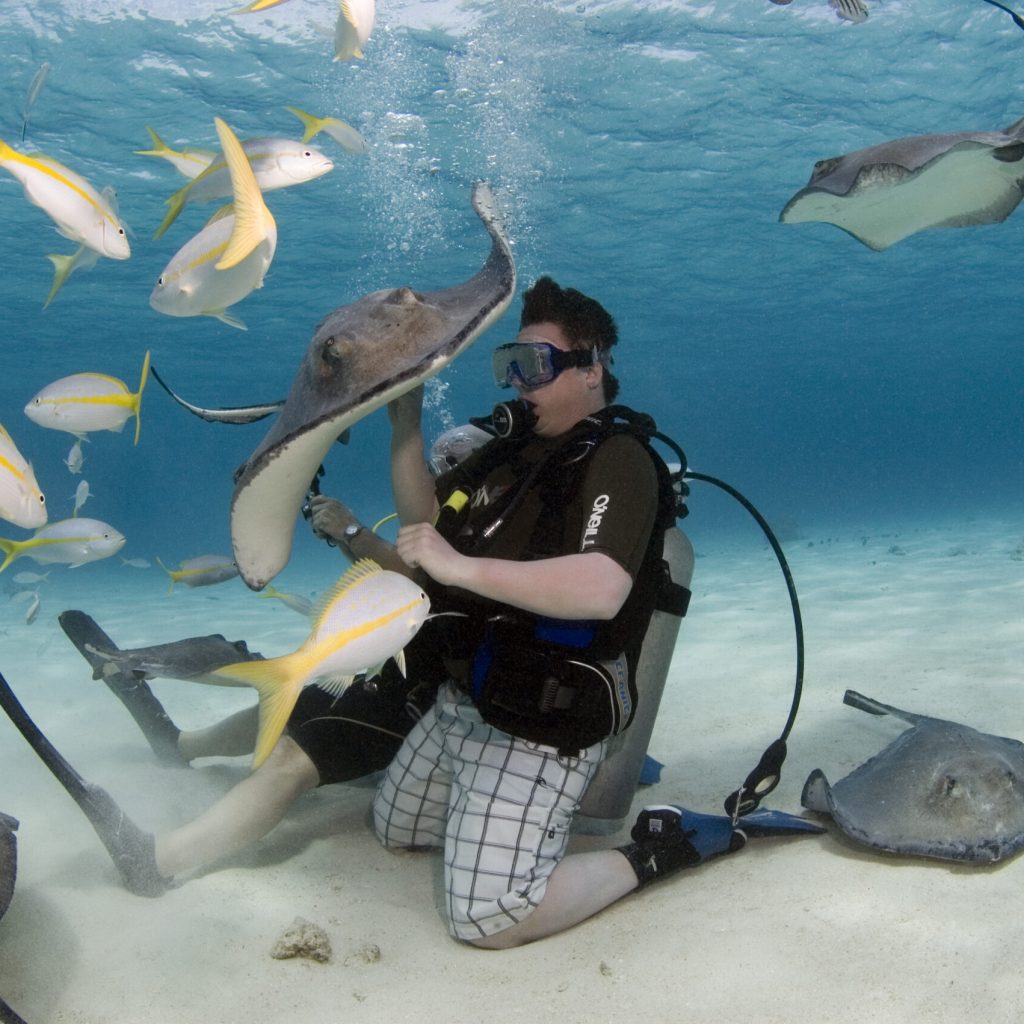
[160,281]
[42,499]
[951,787]
[308,152]
[823,167]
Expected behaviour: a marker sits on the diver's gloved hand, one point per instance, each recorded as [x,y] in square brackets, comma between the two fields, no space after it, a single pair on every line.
[667,838]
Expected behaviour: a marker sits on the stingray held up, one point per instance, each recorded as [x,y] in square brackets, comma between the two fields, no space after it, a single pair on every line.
[940,790]
[361,357]
[886,192]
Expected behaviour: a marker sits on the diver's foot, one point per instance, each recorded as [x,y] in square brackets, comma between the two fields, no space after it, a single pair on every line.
[131,849]
[667,839]
[129,687]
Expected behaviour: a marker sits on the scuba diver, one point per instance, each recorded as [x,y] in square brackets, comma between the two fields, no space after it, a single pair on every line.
[544,549]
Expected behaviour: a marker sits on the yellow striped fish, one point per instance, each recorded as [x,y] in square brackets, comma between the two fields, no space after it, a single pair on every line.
[69,541]
[189,162]
[21,500]
[343,134]
[78,210]
[201,571]
[355,23]
[367,617]
[85,402]
[227,259]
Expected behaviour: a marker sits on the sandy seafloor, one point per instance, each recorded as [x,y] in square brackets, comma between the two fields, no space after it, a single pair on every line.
[812,929]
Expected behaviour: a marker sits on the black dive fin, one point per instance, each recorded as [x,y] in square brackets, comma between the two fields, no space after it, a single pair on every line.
[129,847]
[129,687]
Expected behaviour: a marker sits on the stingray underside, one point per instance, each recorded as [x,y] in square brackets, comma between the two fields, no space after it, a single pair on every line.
[889,197]
[361,357]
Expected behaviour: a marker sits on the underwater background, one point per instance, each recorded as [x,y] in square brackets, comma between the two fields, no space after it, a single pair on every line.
[642,153]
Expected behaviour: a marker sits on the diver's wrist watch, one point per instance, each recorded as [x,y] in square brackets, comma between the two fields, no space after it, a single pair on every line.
[352,531]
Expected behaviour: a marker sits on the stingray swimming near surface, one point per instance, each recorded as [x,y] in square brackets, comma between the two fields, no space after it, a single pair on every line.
[886,192]
[940,789]
[362,356]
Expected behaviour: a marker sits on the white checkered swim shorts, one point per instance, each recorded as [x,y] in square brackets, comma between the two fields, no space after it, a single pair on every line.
[499,806]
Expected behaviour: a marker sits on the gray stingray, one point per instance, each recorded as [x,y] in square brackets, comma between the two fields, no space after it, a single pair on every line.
[887,192]
[940,789]
[192,658]
[8,860]
[361,357]
[8,874]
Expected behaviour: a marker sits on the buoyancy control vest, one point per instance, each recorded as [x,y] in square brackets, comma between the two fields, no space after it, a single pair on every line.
[564,683]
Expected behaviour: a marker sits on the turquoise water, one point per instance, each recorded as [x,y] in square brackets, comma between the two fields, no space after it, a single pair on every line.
[642,151]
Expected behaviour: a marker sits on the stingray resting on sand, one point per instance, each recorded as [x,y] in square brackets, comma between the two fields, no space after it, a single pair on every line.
[940,789]
[361,357]
[8,874]
[886,192]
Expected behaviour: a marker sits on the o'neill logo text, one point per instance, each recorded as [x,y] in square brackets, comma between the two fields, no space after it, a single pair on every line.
[594,522]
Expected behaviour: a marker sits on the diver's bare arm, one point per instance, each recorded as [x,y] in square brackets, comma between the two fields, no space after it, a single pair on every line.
[411,482]
[579,586]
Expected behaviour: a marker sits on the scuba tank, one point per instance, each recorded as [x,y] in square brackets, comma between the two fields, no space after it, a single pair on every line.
[610,794]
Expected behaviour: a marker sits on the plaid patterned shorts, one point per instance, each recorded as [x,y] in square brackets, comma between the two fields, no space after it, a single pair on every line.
[499,806]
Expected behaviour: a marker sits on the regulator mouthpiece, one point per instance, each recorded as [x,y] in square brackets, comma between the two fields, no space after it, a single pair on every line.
[513,418]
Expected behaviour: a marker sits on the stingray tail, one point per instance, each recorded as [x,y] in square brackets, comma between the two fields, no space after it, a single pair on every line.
[862,703]
[137,397]
[278,681]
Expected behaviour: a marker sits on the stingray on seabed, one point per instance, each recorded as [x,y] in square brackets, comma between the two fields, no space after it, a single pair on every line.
[886,192]
[940,789]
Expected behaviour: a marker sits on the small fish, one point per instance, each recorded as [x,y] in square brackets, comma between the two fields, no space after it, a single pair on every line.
[189,162]
[32,597]
[78,210]
[355,23]
[69,541]
[852,10]
[29,579]
[85,402]
[134,563]
[227,259]
[343,134]
[21,500]
[75,457]
[297,603]
[276,163]
[82,495]
[36,86]
[367,617]
[201,571]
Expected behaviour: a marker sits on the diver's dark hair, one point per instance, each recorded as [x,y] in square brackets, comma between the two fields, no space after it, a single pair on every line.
[585,322]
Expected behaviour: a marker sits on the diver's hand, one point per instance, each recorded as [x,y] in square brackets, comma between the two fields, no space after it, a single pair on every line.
[420,546]
[329,517]
[406,411]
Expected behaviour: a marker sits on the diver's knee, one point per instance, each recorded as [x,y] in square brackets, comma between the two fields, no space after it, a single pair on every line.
[509,938]
[290,761]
